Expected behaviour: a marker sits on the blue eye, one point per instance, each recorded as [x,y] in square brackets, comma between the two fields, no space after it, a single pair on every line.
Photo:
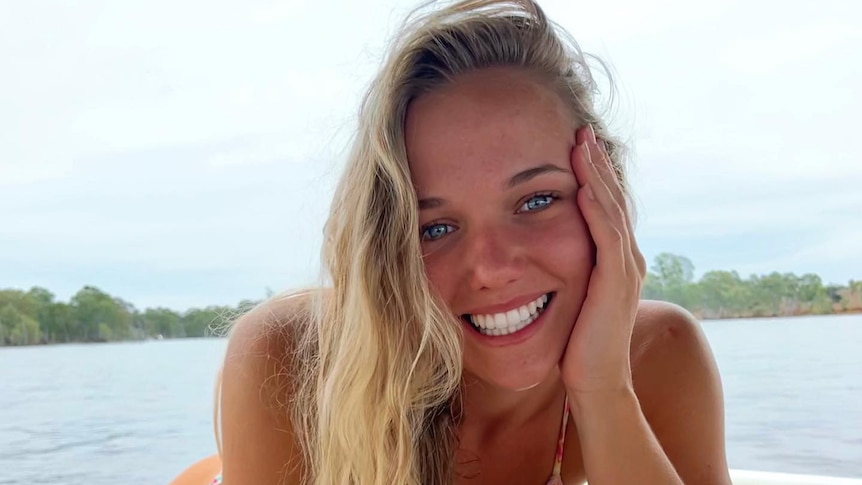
[537,202]
[436,231]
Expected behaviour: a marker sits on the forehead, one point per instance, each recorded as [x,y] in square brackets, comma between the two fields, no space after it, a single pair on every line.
[486,125]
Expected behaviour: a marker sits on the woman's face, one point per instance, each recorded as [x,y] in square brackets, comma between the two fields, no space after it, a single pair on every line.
[501,230]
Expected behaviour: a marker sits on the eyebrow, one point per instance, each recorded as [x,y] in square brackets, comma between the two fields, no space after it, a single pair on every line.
[532,173]
[517,179]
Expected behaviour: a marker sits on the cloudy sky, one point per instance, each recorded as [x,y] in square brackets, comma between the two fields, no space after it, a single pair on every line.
[183,152]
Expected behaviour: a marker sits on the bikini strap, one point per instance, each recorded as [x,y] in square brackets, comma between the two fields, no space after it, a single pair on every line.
[558,459]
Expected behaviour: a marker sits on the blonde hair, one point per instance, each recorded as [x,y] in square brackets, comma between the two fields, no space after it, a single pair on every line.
[377,364]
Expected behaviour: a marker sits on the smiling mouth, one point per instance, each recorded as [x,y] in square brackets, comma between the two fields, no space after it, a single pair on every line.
[506,323]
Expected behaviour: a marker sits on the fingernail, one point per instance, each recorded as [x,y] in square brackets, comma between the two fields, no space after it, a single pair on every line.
[592,132]
[580,136]
[603,145]
[589,192]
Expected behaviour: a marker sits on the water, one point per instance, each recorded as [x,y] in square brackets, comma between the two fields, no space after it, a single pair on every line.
[793,393]
[141,412]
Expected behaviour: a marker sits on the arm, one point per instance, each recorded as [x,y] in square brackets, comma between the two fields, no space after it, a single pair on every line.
[677,382]
[670,427]
[258,444]
[617,443]
[642,383]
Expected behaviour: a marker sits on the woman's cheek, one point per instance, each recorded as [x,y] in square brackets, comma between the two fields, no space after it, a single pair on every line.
[563,241]
[441,270]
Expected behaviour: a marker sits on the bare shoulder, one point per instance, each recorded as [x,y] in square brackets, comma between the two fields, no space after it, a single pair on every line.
[665,325]
[678,385]
[258,444]
[269,329]
[262,341]
[668,349]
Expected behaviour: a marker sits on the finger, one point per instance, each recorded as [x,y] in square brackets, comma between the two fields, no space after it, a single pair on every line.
[600,158]
[599,155]
[610,246]
[605,166]
[580,140]
[589,173]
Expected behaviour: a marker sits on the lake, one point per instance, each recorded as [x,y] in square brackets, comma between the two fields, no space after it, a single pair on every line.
[140,412]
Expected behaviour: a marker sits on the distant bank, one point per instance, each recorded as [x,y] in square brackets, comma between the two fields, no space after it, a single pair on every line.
[34,317]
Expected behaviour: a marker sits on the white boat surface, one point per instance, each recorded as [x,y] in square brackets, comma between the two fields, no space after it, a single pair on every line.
[751,477]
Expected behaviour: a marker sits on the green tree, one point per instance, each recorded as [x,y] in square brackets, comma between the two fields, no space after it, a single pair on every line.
[18,328]
[206,322]
[722,293]
[674,275]
[63,318]
[19,300]
[93,308]
[766,294]
[652,288]
[813,294]
[164,322]
[43,300]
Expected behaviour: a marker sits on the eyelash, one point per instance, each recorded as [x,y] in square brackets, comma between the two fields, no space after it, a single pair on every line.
[427,228]
[548,195]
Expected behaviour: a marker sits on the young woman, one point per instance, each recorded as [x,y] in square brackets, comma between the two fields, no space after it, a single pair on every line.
[482,322]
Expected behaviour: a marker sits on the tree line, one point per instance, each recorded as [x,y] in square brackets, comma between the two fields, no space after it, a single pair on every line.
[92,315]
[724,294]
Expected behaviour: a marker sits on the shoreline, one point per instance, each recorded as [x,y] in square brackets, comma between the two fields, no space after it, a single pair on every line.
[852,311]
[102,342]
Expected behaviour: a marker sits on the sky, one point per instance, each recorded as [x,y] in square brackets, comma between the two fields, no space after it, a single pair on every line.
[182,153]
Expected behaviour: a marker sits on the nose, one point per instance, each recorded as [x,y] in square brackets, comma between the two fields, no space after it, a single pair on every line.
[493,259]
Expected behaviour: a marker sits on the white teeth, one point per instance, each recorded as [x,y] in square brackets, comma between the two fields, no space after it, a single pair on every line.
[510,321]
[513,318]
[500,320]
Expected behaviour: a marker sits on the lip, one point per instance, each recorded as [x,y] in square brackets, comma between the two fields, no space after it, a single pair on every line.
[512,304]
[513,338]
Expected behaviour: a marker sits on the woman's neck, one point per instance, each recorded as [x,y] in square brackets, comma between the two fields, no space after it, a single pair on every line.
[488,410]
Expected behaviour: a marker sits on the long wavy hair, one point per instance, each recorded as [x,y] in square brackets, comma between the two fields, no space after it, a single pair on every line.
[376,368]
